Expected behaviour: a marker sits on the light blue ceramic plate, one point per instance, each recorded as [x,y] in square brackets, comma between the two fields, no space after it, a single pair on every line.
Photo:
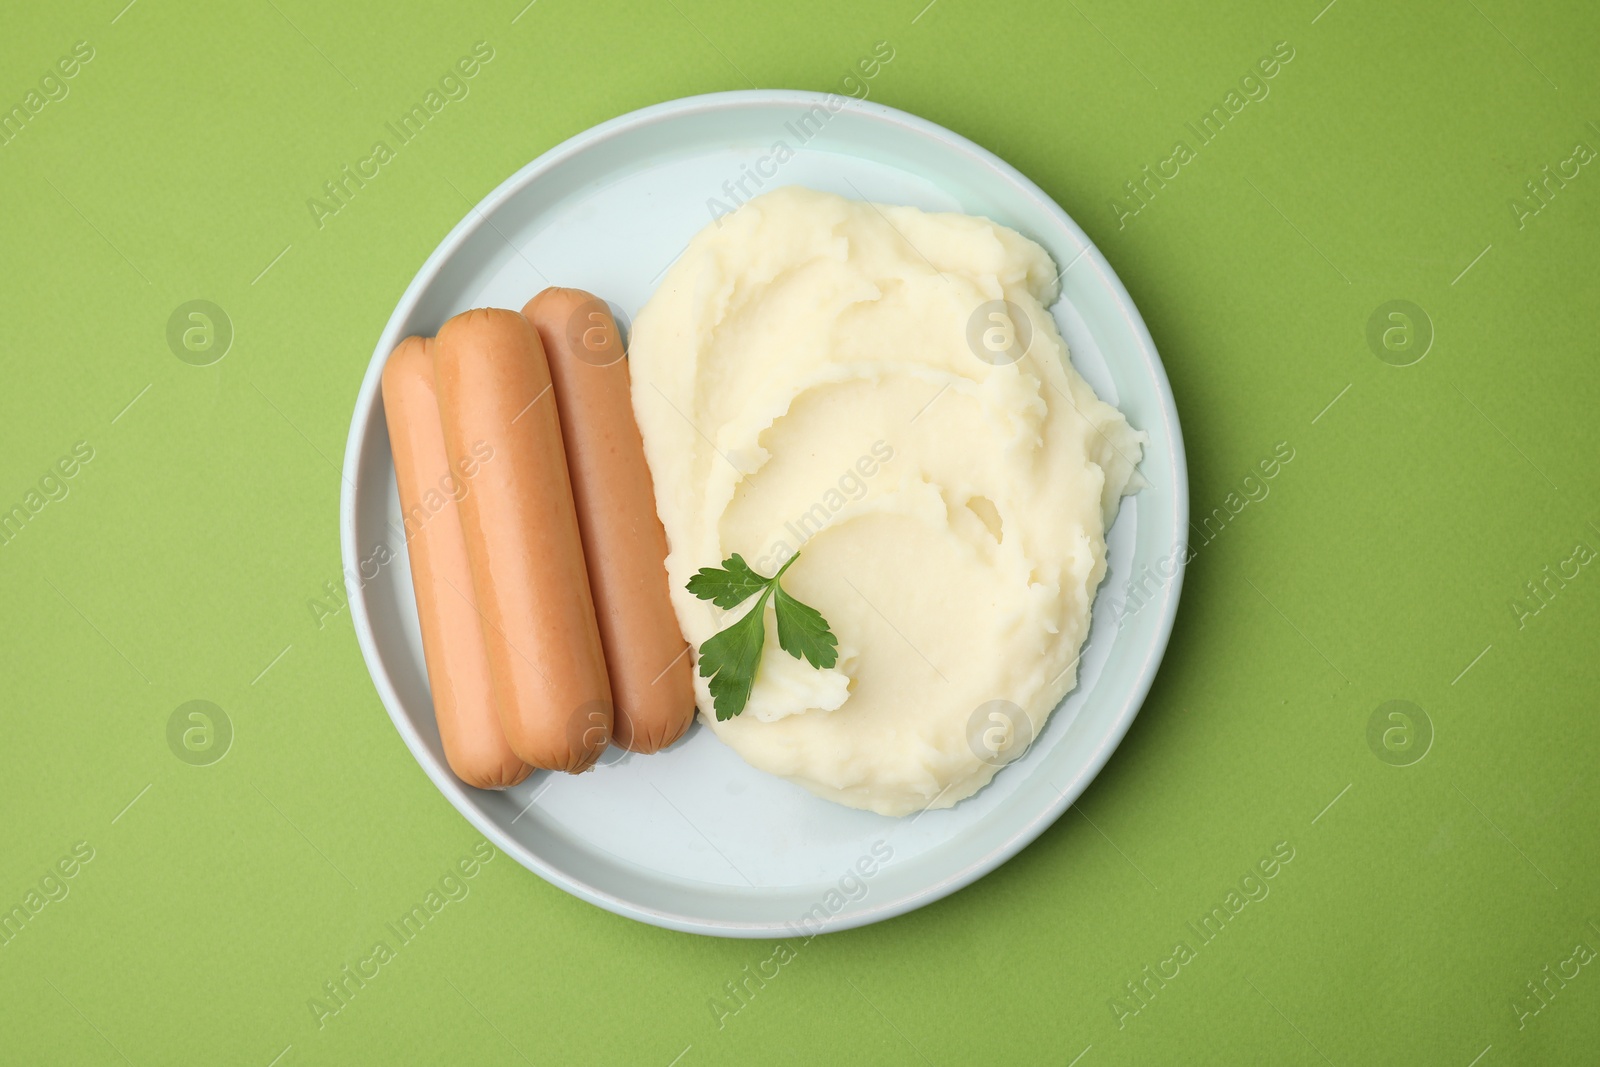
[695,839]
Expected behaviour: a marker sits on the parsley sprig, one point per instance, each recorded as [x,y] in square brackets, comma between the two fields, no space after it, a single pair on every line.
[730,658]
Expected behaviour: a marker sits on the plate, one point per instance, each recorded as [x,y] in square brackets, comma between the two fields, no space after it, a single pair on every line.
[694,838]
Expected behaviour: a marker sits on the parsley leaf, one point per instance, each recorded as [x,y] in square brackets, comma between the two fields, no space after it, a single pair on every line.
[731,657]
[728,587]
[803,632]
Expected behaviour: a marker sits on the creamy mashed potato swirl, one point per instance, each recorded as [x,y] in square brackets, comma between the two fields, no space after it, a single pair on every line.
[832,377]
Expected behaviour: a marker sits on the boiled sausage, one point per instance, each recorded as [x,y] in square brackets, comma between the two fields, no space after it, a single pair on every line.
[522,541]
[452,635]
[623,543]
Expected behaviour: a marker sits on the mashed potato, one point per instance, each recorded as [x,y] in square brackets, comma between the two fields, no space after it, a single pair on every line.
[846,380]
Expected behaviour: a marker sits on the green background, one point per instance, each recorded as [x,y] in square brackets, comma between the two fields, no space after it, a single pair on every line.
[1383,565]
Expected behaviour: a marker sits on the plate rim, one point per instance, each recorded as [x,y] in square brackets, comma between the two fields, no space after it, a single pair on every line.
[367,405]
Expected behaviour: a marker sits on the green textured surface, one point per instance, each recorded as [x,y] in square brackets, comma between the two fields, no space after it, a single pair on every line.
[1383,563]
